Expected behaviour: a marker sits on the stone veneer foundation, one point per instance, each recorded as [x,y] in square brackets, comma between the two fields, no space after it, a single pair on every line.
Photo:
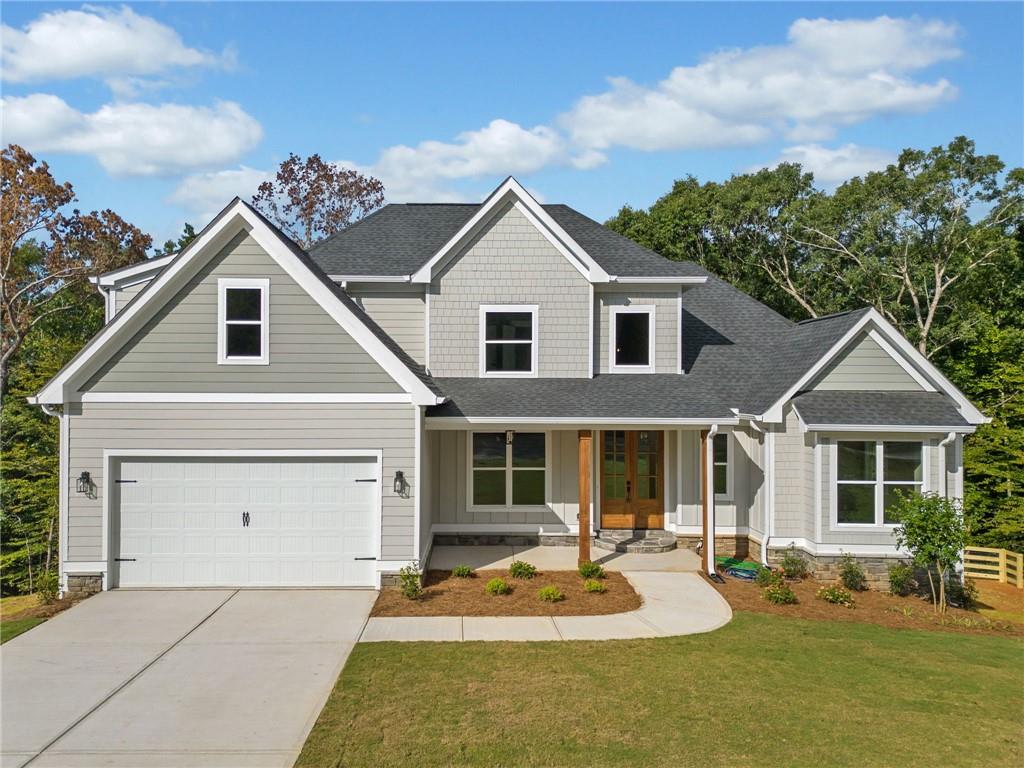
[84,583]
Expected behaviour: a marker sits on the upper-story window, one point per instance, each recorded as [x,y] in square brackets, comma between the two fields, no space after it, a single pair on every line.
[508,340]
[243,321]
[631,339]
[869,475]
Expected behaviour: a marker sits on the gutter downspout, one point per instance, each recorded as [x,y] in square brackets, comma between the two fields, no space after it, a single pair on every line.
[769,500]
[709,500]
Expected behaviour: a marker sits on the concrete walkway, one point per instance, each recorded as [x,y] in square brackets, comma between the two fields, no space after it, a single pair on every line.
[498,557]
[674,603]
[183,678]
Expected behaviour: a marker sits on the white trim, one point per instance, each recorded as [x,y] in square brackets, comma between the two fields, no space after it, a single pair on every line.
[879,483]
[679,477]
[941,447]
[720,530]
[817,488]
[508,506]
[728,496]
[261,284]
[245,397]
[679,332]
[591,352]
[110,455]
[63,495]
[418,415]
[114,277]
[563,528]
[708,484]
[237,216]
[665,475]
[813,548]
[455,422]
[769,489]
[426,329]
[109,303]
[534,341]
[937,430]
[661,280]
[632,309]
[970,413]
[370,278]
[512,190]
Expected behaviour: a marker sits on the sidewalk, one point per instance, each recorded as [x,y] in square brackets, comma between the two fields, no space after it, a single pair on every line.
[674,603]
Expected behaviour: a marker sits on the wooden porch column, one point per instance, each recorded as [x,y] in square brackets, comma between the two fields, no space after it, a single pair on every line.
[585,454]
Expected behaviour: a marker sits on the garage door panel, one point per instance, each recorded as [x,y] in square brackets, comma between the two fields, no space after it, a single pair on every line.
[182,522]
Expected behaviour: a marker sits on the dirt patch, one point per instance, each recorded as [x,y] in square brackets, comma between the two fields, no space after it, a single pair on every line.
[1000,601]
[446,595]
[870,607]
[44,610]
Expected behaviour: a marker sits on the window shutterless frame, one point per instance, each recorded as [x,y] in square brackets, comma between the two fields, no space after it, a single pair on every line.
[534,340]
[507,469]
[636,309]
[224,284]
[878,483]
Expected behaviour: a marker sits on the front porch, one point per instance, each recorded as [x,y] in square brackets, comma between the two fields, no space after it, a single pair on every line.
[490,557]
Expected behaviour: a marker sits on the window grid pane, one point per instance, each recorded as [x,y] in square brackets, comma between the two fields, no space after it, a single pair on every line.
[856,460]
[243,304]
[489,487]
[855,503]
[243,340]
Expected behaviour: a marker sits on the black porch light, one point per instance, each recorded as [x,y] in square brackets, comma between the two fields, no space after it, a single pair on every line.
[84,483]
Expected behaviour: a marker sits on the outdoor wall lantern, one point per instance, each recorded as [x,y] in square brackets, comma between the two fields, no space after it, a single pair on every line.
[399,482]
[84,483]
[510,435]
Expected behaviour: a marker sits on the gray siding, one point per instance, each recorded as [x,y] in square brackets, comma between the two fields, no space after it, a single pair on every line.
[666,326]
[95,427]
[176,351]
[125,295]
[794,483]
[866,366]
[399,310]
[510,262]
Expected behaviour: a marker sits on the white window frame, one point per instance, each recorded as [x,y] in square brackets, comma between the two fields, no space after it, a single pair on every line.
[223,284]
[879,482]
[633,309]
[508,506]
[534,341]
[728,437]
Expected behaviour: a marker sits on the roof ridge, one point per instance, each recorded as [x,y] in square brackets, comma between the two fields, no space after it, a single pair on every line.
[832,315]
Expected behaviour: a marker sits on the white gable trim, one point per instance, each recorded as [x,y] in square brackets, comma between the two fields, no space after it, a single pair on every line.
[512,191]
[233,219]
[141,272]
[902,351]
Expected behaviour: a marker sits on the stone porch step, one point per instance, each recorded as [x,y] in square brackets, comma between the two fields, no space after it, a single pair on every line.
[637,542]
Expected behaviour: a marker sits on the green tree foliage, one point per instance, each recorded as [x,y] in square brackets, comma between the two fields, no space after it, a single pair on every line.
[934,242]
[188,234]
[933,528]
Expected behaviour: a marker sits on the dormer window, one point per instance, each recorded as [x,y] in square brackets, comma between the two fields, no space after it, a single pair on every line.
[508,340]
[243,324]
[631,339]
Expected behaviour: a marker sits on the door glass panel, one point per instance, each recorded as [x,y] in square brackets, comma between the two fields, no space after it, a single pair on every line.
[614,461]
[615,488]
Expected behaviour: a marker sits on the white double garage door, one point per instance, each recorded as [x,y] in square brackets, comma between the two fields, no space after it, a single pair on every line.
[251,521]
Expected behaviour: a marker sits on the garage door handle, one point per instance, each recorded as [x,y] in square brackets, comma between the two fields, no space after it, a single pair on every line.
[364,558]
[370,480]
[124,559]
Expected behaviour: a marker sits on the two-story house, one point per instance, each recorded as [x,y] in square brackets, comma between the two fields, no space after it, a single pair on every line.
[253,414]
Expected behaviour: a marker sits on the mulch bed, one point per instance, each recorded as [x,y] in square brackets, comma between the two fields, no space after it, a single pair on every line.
[872,607]
[446,595]
[46,610]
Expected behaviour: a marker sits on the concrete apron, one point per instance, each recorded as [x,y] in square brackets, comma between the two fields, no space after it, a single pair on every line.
[673,604]
[177,678]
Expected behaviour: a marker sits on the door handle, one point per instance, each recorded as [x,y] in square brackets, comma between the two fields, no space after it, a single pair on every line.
[245,519]
[629,491]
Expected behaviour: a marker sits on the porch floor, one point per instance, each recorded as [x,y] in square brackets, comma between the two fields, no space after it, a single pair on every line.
[499,557]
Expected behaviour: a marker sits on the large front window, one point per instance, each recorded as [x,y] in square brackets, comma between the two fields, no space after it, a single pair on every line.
[243,333]
[508,336]
[869,476]
[508,469]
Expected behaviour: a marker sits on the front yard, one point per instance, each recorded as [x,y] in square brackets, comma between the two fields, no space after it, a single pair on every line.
[764,690]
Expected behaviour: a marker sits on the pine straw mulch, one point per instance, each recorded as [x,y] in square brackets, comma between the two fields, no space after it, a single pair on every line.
[446,595]
[871,607]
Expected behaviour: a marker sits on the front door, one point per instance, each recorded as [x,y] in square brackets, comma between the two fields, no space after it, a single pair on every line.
[632,479]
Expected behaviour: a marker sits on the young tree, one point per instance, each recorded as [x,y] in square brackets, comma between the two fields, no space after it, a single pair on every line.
[45,253]
[932,527]
[188,234]
[310,199]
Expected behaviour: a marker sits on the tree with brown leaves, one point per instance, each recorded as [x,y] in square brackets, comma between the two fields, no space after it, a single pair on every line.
[310,199]
[45,253]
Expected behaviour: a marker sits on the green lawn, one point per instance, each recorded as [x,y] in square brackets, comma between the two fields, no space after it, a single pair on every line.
[13,628]
[763,690]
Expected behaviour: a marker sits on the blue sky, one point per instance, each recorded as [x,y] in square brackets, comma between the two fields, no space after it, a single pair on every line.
[164,111]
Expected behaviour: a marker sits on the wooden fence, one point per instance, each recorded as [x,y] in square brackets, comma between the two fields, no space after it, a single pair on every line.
[998,564]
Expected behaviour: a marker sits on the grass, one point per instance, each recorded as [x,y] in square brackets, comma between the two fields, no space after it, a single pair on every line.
[764,689]
[14,627]
[9,606]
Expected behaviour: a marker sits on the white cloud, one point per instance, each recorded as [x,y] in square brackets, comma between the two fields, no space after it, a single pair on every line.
[829,74]
[132,139]
[96,42]
[204,194]
[834,166]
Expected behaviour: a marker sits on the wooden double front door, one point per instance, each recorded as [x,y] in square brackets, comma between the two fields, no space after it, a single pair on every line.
[632,479]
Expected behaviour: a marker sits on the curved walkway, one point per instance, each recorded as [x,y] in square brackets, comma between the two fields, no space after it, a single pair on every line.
[674,603]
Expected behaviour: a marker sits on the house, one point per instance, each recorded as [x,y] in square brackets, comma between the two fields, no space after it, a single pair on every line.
[253,414]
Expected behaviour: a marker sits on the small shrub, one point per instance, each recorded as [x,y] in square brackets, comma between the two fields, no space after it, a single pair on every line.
[852,574]
[766,577]
[522,570]
[593,585]
[462,571]
[410,581]
[589,570]
[836,595]
[901,579]
[779,594]
[793,565]
[497,587]
[963,595]
[550,594]
[48,586]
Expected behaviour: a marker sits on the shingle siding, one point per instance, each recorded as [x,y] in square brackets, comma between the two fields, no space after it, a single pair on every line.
[399,311]
[176,351]
[794,483]
[510,262]
[666,325]
[94,427]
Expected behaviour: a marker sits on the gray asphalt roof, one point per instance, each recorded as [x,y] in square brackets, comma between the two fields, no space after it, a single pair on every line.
[400,238]
[930,409]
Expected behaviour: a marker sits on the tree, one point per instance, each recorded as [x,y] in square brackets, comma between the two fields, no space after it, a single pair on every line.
[188,234]
[310,199]
[45,253]
[932,527]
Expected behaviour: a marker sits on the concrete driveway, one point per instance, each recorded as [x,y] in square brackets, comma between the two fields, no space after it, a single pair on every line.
[185,678]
